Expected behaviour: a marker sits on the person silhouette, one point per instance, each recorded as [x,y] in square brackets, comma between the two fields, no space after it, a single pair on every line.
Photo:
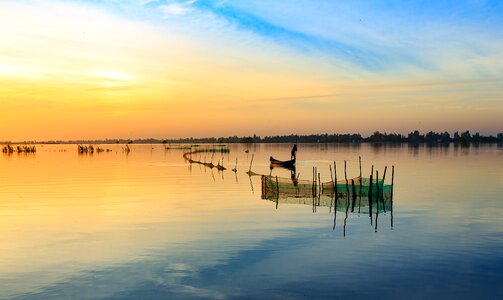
[294,152]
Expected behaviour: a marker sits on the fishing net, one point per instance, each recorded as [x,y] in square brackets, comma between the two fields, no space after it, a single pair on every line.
[357,194]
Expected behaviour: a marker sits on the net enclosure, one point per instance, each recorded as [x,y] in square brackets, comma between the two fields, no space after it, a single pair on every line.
[356,194]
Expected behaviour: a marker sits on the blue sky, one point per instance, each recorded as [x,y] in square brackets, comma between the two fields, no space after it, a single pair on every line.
[374,35]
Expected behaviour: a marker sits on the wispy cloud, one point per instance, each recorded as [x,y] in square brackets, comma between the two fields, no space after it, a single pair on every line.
[383,38]
[176,8]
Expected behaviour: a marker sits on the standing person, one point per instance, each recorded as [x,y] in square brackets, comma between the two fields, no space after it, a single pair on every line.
[294,152]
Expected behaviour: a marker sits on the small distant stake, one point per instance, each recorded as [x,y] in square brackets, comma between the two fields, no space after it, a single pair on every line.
[235,166]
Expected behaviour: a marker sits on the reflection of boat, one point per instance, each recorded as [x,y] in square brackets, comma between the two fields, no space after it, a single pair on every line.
[285,164]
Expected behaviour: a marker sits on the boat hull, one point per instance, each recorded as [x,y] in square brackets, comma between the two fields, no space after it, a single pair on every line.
[285,164]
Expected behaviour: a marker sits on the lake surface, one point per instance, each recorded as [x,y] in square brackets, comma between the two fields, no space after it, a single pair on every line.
[149,225]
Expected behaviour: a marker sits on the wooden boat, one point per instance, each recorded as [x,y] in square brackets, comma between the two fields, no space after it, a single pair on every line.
[285,164]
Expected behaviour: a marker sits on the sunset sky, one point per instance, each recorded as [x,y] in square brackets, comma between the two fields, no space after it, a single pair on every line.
[169,69]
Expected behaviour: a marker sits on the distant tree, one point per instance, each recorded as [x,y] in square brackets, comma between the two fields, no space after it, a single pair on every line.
[376,137]
[247,140]
[446,137]
[465,138]
[415,137]
[456,137]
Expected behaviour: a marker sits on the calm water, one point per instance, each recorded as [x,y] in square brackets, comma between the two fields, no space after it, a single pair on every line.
[149,226]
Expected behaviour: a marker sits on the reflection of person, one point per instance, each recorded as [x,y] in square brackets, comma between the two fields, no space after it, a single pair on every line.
[293,176]
[294,151]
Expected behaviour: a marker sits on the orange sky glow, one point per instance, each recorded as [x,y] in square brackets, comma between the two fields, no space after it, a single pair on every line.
[88,71]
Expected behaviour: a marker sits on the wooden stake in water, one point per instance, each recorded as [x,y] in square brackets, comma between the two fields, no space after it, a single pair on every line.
[251,162]
[316,188]
[346,177]
[360,163]
[361,186]
[277,188]
[392,178]
[320,190]
[313,189]
[333,184]
[353,191]
[235,166]
[370,195]
[335,195]
[383,178]
[377,199]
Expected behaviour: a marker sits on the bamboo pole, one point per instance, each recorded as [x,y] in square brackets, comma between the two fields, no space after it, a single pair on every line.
[346,177]
[360,163]
[235,166]
[377,199]
[333,183]
[277,188]
[360,192]
[353,190]
[251,162]
[382,198]
[370,195]
[392,178]
[320,189]
[335,195]
[313,189]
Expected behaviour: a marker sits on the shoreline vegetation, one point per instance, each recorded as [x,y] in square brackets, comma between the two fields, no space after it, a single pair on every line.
[415,137]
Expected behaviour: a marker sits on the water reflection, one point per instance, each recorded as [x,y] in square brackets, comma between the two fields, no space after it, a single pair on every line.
[143,226]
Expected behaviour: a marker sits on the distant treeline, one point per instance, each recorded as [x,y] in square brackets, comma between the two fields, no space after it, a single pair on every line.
[377,137]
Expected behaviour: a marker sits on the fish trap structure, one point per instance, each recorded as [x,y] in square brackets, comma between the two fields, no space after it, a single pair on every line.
[363,195]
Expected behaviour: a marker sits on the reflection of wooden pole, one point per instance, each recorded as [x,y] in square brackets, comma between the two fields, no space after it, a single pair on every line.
[251,183]
[347,208]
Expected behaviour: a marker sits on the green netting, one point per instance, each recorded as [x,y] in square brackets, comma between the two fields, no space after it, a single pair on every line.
[354,197]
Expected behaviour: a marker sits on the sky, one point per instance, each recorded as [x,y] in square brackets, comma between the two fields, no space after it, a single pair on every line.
[200,68]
